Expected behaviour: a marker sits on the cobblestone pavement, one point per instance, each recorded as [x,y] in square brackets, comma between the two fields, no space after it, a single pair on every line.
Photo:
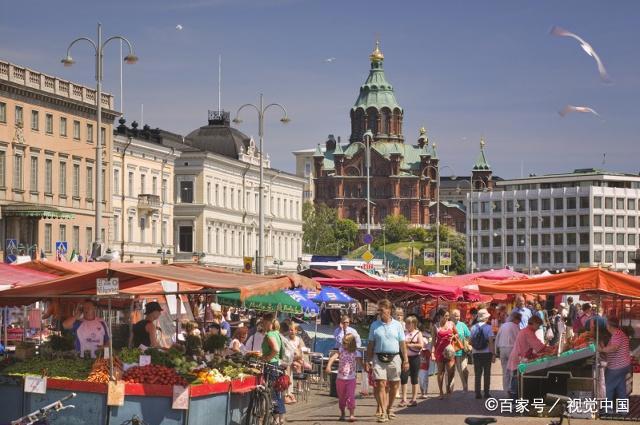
[321,409]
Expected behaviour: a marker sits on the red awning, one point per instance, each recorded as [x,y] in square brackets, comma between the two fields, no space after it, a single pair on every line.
[337,274]
[471,279]
[376,289]
[15,276]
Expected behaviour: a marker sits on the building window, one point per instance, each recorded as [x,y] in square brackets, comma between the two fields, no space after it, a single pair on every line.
[154,185]
[75,239]
[62,236]
[143,230]
[608,238]
[619,203]
[631,204]
[216,195]
[33,181]
[104,186]
[63,127]
[48,176]
[232,203]
[546,204]
[558,203]
[584,220]
[571,221]
[608,203]
[597,238]
[209,240]
[186,192]
[632,256]
[608,256]
[571,239]
[63,179]
[164,190]
[116,181]
[558,239]
[307,168]
[584,238]
[619,221]
[584,257]
[620,239]
[48,123]
[208,193]
[19,119]
[35,120]
[163,232]
[130,228]
[75,182]
[88,234]
[608,221]
[89,182]
[186,239]
[631,222]
[47,237]
[597,202]
[3,168]
[76,130]
[3,112]
[217,246]
[116,228]
[143,183]
[154,231]
[17,172]
[558,222]
[533,205]
[558,257]
[103,136]
[597,220]
[584,202]
[597,256]
[130,183]
[571,203]
[620,257]
[90,133]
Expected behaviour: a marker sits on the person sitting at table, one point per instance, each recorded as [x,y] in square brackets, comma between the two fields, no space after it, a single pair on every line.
[526,343]
[145,331]
[91,332]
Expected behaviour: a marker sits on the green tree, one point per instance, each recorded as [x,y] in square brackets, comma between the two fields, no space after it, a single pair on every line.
[396,228]
[346,234]
[318,229]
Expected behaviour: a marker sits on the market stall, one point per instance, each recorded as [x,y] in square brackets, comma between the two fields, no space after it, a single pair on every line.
[190,383]
[573,368]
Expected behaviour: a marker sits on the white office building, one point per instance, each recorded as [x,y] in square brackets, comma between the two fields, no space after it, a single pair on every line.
[556,222]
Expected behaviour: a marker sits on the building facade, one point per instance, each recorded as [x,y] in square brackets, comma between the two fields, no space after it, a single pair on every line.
[556,222]
[48,138]
[402,176]
[216,201]
[141,228]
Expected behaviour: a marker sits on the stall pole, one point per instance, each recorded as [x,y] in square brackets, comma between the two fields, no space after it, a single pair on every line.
[5,320]
[110,341]
[178,311]
[130,342]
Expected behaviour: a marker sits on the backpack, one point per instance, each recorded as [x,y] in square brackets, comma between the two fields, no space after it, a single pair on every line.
[478,340]
[287,351]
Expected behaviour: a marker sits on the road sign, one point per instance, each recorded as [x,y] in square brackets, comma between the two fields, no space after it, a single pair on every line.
[248,265]
[11,250]
[107,286]
[61,247]
[367,256]
[368,239]
[429,257]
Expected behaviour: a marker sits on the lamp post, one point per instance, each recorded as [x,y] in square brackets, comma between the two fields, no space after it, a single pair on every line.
[437,170]
[368,138]
[68,61]
[261,109]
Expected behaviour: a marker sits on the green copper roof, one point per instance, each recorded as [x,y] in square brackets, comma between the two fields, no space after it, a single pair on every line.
[376,92]
[318,152]
[481,162]
[338,150]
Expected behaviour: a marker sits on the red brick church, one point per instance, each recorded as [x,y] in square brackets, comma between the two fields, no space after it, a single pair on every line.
[403,176]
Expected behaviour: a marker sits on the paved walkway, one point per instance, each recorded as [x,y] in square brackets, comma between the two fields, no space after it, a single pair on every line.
[321,409]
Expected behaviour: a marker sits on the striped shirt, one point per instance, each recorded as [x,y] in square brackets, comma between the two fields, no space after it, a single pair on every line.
[620,357]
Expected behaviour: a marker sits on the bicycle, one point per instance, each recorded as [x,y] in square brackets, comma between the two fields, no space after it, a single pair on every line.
[40,416]
[556,421]
[262,405]
[135,420]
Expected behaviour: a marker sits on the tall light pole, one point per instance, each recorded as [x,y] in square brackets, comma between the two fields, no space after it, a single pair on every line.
[470,195]
[68,61]
[437,170]
[368,138]
[261,109]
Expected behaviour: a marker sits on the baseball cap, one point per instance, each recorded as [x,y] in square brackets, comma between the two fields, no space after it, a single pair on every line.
[151,307]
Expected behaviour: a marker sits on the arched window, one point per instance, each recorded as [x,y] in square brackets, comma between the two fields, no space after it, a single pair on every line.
[372,120]
[385,121]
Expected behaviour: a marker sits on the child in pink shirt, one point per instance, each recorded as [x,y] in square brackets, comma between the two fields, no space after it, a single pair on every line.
[348,359]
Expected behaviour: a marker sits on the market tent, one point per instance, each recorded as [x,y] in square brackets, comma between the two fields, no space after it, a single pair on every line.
[14,276]
[66,268]
[399,291]
[337,274]
[328,296]
[471,280]
[276,301]
[309,307]
[134,279]
[591,281]
[468,293]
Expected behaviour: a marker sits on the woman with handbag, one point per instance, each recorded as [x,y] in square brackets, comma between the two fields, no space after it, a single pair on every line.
[444,353]
[413,340]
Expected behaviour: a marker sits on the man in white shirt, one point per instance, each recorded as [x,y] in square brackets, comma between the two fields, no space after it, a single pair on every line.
[345,329]
[505,339]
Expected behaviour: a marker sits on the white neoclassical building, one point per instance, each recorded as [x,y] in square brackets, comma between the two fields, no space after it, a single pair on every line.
[216,201]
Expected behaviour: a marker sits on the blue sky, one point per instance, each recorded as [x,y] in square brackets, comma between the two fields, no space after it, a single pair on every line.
[461,68]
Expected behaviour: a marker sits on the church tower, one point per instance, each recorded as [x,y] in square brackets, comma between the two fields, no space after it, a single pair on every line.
[376,108]
[481,174]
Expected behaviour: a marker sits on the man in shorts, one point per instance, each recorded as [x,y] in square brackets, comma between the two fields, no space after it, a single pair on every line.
[389,353]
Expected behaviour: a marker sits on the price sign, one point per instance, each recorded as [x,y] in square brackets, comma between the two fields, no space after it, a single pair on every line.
[144,360]
[115,393]
[107,286]
[180,398]
[35,384]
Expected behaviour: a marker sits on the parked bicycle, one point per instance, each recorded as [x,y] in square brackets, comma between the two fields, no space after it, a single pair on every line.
[559,401]
[40,416]
[262,405]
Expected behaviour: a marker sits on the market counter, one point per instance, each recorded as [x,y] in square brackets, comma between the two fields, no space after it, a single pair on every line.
[218,404]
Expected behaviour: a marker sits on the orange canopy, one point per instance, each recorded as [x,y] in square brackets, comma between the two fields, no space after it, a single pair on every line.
[591,281]
[145,279]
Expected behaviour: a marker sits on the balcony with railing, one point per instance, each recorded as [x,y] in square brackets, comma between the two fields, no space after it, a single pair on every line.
[149,203]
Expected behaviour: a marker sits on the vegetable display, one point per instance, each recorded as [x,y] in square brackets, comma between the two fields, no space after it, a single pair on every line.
[154,374]
[57,368]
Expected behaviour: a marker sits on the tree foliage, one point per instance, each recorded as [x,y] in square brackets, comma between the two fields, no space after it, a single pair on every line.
[396,228]
[324,233]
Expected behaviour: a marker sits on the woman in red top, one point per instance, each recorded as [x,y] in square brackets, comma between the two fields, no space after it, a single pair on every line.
[443,355]
[618,361]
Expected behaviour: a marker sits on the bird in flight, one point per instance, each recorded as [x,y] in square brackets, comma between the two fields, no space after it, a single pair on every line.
[179,27]
[330,60]
[583,109]
[561,32]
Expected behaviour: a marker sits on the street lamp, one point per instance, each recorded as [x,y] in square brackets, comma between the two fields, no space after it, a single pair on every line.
[437,170]
[131,58]
[261,109]
[368,138]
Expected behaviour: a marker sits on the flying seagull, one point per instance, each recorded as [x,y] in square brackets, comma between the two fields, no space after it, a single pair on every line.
[583,109]
[330,60]
[179,27]
[561,32]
